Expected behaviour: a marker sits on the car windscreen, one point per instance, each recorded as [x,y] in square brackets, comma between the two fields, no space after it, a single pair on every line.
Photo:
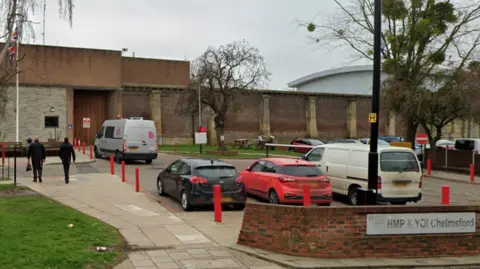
[302,171]
[315,142]
[465,144]
[398,162]
[216,171]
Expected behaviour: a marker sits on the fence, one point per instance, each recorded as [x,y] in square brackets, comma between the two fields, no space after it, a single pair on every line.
[455,160]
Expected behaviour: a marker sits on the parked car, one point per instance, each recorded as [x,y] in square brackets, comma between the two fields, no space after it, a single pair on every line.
[471,144]
[390,138]
[443,144]
[344,141]
[281,181]
[304,142]
[127,139]
[380,142]
[191,182]
[399,172]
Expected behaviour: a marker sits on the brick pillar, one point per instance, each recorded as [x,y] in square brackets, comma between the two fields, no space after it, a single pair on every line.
[70,117]
[115,104]
[390,124]
[155,108]
[212,133]
[265,115]
[352,118]
[312,117]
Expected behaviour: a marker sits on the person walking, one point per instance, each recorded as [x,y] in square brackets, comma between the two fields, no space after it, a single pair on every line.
[36,154]
[67,155]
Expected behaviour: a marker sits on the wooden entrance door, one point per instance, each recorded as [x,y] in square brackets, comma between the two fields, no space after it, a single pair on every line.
[89,104]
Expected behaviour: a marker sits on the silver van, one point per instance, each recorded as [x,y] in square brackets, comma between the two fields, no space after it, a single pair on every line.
[127,139]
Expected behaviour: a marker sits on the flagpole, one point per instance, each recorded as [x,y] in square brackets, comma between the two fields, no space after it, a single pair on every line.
[18,88]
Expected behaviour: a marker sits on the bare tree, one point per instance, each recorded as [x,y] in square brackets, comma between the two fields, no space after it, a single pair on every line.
[222,73]
[15,14]
[419,40]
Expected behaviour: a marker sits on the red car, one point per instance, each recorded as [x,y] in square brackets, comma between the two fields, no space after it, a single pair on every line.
[308,142]
[281,181]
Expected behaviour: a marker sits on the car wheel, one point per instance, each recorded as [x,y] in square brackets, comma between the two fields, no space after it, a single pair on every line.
[353,196]
[239,207]
[160,189]
[398,203]
[185,203]
[148,161]
[118,157]
[291,149]
[97,154]
[273,197]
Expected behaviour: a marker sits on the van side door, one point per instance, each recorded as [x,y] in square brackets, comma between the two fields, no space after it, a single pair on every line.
[107,141]
[335,167]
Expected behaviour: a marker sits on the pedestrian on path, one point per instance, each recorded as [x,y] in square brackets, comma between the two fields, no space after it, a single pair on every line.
[67,155]
[36,154]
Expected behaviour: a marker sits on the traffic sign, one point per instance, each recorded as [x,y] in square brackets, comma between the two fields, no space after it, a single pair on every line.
[421,139]
[372,118]
[86,123]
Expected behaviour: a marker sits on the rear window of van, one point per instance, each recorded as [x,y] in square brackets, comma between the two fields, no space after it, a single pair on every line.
[398,162]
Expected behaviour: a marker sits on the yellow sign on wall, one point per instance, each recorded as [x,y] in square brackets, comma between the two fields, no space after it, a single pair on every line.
[407,145]
[372,117]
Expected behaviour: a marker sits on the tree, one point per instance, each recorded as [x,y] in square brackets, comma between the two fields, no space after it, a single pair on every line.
[16,13]
[420,38]
[223,72]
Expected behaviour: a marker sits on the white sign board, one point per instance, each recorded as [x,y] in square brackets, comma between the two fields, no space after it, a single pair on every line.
[421,223]
[200,138]
[86,123]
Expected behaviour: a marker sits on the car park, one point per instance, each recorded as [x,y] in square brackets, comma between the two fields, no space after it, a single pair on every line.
[399,172]
[192,180]
[304,142]
[281,181]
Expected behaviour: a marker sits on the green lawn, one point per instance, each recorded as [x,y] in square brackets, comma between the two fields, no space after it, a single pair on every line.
[34,234]
[253,153]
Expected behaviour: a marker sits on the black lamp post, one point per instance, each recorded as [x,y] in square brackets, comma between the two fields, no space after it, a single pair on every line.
[373,117]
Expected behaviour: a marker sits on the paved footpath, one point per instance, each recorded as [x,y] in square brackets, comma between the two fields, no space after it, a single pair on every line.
[159,239]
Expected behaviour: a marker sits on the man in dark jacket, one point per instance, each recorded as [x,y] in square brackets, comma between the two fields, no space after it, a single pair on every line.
[36,153]
[67,154]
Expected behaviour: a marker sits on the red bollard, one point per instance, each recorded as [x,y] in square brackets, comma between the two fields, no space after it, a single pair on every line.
[78,145]
[175,147]
[91,153]
[445,195]
[306,195]
[429,167]
[472,172]
[83,148]
[137,179]
[112,167]
[217,202]
[4,149]
[123,171]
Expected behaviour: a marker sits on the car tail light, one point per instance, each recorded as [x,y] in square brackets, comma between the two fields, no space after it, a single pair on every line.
[420,183]
[124,145]
[144,142]
[198,180]
[326,179]
[286,179]
[239,180]
[156,146]
[379,183]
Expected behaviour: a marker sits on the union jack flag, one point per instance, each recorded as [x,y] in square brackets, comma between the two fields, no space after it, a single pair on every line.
[12,50]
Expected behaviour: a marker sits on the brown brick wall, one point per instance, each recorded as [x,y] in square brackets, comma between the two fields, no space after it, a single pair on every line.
[341,233]
[48,65]
[175,124]
[288,116]
[331,117]
[243,120]
[135,104]
[155,72]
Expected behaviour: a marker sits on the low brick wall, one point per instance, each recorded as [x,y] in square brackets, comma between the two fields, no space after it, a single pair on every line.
[340,232]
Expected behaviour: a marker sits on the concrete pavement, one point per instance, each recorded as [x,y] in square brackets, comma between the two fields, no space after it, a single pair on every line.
[158,238]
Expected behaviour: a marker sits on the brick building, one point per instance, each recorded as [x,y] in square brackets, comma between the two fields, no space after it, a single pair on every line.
[60,86]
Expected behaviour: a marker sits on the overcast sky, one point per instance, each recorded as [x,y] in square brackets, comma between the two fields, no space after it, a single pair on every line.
[183,29]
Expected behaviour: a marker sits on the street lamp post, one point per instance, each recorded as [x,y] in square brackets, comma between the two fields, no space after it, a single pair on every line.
[373,117]
[200,113]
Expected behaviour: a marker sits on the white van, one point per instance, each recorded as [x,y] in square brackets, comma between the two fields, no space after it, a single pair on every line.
[128,139]
[399,173]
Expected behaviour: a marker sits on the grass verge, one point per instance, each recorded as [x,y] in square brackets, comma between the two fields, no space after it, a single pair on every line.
[35,233]
[247,153]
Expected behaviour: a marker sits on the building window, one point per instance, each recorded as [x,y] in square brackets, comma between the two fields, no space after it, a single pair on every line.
[109,131]
[51,122]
